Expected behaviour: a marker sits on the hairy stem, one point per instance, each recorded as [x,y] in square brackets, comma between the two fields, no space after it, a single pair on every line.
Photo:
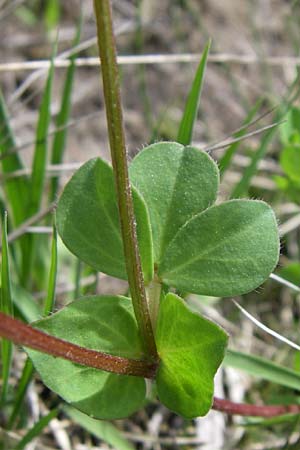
[111,86]
[25,335]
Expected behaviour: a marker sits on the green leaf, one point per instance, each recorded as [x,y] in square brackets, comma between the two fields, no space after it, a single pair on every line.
[263,369]
[191,349]
[291,272]
[103,430]
[229,249]
[291,124]
[99,323]
[191,108]
[290,161]
[88,221]
[176,183]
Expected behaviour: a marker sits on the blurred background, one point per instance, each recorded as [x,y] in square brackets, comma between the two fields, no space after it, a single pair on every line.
[252,77]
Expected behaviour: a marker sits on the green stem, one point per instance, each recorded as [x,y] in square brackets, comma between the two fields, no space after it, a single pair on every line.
[153,294]
[111,86]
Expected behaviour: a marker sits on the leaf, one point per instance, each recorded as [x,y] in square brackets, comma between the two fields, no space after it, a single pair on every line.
[263,369]
[291,272]
[88,221]
[176,183]
[99,323]
[291,124]
[229,249]
[192,104]
[191,349]
[103,430]
[290,160]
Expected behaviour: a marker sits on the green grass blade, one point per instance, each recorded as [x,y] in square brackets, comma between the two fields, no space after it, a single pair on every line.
[27,373]
[41,147]
[60,137]
[191,108]
[36,430]
[263,369]
[28,369]
[16,189]
[38,181]
[243,185]
[241,188]
[7,308]
[226,159]
[49,303]
[103,430]
[286,418]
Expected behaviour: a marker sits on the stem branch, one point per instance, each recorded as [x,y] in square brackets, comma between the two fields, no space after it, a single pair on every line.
[111,86]
[25,335]
[244,409]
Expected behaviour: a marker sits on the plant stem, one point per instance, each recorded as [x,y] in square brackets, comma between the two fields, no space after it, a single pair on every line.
[244,409]
[27,336]
[111,86]
[153,293]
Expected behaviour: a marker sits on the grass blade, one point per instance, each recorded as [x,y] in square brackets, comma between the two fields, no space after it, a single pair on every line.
[241,188]
[49,303]
[27,373]
[263,369]
[59,142]
[38,177]
[7,308]
[226,159]
[40,152]
[103,430]
[28,369]
[36,430]
[191,108]
[16,189]
[243,185]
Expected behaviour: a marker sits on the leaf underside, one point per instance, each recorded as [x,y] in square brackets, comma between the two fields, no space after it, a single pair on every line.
[88,221]
[105,324]
[229,249]
[176,183]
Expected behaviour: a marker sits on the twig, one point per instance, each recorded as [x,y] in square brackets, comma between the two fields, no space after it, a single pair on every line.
[153,59]
[242,138]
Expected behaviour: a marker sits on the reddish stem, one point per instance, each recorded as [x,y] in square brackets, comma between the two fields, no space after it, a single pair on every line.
[25,335]
[244,409]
